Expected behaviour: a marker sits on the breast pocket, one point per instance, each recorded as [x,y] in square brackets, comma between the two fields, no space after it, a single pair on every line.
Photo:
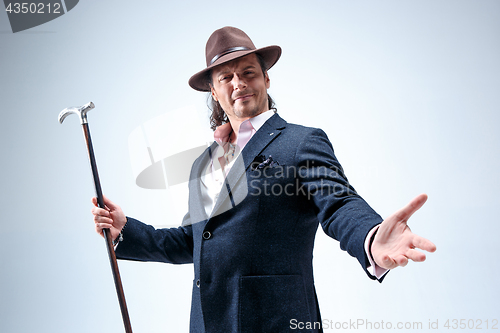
[270,182]
[272,303]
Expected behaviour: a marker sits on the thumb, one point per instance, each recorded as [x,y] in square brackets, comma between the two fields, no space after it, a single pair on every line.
[109,204]
[406,212]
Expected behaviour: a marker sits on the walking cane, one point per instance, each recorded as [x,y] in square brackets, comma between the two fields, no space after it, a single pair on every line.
[82,113]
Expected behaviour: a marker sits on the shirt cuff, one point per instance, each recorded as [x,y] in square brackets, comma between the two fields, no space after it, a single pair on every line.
[374,269]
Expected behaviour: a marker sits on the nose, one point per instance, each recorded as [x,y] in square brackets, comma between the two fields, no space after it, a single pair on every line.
[239,83]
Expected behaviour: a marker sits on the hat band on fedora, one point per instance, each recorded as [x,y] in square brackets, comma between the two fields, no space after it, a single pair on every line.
[230,50]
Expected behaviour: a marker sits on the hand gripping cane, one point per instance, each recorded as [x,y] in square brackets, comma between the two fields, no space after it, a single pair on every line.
[82,113]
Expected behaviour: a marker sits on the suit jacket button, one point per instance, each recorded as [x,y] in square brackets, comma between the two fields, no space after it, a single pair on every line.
[207,235]
[198,283]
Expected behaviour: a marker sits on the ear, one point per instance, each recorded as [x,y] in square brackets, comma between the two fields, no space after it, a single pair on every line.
[267,81]
[214,94]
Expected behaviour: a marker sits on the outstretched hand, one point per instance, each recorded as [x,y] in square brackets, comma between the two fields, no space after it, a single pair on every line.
[394,242]
[112,217]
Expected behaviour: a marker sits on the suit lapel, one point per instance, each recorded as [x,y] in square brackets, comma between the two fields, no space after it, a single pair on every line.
[262,138]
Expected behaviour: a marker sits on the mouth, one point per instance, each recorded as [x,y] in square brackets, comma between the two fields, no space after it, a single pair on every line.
[243,98]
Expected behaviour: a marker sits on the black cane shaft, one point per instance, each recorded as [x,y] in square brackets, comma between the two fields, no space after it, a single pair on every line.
[107,233]
[93,166]
[118,281]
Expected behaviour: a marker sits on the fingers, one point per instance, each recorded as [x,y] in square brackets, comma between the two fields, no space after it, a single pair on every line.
[424,244]
[391,263]
[102,217]
[415,255]
[402,260]
[99,226]
[102,220]
[96,211]
[412,207]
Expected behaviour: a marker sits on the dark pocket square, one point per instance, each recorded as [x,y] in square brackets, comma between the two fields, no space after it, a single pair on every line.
[261,162]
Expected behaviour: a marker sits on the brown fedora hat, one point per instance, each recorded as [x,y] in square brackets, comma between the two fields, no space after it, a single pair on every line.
[227,44]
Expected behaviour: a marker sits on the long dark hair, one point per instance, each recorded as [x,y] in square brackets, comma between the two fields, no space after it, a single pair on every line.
[218,116]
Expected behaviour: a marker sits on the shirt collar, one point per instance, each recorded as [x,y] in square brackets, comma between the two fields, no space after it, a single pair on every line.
[222,132]
[259,120]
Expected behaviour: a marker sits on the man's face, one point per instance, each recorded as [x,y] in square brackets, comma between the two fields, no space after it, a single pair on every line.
[241,88]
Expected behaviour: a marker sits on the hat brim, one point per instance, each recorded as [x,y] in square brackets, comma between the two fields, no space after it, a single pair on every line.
[200,80]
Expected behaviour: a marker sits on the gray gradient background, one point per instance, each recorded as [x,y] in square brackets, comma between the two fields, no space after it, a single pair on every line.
[408,92]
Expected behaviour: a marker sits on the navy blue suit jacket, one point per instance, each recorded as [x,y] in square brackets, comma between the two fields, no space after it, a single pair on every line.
[252,257]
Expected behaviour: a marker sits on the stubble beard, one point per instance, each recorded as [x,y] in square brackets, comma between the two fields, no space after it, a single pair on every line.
[243,111]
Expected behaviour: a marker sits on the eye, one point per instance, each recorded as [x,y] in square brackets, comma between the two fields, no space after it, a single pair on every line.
[225,78]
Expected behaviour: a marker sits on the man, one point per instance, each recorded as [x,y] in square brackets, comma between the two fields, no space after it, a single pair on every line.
[256,197]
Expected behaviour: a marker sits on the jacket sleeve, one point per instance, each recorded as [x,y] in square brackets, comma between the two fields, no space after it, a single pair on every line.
[143,242]
[342,213]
